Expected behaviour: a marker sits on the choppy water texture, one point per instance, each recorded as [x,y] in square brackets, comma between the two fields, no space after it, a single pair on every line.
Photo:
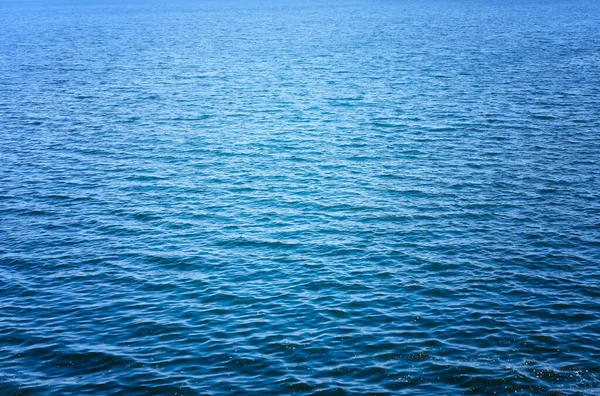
[334,197]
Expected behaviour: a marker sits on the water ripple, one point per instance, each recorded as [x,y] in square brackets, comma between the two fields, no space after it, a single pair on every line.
[344,198]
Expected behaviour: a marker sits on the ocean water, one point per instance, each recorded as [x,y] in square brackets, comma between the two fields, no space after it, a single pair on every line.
[300,197]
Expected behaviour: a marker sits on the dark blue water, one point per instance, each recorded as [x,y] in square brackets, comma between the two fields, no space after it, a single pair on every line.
[318,197]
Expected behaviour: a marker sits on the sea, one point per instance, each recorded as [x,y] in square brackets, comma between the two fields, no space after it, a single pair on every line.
[309,197]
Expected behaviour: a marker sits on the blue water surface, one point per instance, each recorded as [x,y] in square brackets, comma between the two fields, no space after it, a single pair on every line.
[310,197]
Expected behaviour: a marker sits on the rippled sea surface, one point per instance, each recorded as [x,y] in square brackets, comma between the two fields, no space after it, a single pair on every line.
[318,197]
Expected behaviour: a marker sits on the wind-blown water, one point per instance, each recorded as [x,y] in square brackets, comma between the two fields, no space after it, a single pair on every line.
[336,197]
